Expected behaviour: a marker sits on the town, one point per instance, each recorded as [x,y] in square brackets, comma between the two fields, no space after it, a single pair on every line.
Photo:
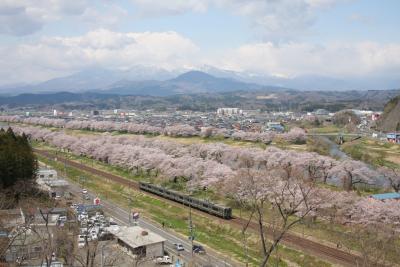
[213,133]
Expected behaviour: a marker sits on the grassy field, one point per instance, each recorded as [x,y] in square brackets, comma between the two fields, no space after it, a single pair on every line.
[222,237]
[375,152]
[320,230]
[323,231]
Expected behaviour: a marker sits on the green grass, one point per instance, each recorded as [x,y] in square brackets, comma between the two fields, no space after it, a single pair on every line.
[374,152]
[326,129]
[221,237]
[320,230]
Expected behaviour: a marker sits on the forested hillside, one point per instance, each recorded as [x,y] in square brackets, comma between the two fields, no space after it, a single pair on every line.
[390,120]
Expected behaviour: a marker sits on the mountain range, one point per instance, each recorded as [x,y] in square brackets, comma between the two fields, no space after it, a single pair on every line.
[159,82]
[111,82]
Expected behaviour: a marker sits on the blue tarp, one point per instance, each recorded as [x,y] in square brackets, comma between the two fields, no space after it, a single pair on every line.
[386,196]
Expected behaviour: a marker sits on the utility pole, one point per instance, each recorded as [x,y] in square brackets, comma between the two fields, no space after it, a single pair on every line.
[130,214]
[102,256]
[191,228]
[65,167]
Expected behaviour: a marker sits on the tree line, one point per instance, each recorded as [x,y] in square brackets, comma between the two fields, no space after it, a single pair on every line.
[17,160]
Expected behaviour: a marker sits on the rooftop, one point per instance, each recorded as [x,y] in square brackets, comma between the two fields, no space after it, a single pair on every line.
[136,236]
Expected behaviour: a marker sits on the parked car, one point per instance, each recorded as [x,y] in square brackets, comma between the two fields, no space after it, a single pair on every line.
[62,218]
[93,236]
[179,246]
[81,243]
[86,197]
[164,260]
[84,191]
[198,249]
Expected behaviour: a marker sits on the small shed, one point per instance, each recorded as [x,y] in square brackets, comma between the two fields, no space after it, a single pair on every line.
[139,241]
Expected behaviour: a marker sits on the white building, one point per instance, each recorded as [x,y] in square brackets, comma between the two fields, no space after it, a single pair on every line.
[229,111]
[46,174]
[139,242]
[48,180]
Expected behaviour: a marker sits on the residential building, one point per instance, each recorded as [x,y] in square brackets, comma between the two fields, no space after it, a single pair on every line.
[393,137]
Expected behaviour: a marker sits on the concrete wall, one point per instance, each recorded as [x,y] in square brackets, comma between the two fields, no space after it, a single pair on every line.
[155,250]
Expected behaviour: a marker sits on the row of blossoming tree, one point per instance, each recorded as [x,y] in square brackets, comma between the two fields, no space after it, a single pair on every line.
[295,135]
[284,184]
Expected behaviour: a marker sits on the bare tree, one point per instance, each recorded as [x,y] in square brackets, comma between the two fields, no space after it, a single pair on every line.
[287,199]
[377,248]
[393,176]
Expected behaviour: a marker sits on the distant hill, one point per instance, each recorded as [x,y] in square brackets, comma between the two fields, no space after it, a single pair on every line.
[390,119]
[51,98]
[155,81]
[128,83]
[264,99]
[187,83]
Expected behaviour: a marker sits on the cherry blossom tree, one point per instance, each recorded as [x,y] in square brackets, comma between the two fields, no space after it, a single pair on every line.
[393,176]
[295,135]
[288,197]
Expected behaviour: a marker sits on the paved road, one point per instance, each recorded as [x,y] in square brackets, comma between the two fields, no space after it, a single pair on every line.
[319,250]
[121,216]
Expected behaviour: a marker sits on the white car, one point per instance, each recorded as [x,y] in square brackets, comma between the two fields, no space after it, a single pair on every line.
[83,231]
[94,231]
[81,243]
[179,246]
[93,236]
[82,218]
[84,191]
[163,260]
[62,218]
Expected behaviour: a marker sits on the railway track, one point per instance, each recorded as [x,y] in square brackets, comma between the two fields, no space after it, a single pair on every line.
[304,244]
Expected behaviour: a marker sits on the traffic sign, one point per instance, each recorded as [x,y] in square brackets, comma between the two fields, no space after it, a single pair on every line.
[96,201]
[135,215]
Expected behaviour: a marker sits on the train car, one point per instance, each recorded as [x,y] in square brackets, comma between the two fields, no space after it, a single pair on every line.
[211,208]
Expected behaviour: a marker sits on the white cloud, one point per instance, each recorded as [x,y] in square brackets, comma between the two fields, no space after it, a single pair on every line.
[24,17]
[274,19]
[334,59]
[56,56]
[169,7]
[108,16]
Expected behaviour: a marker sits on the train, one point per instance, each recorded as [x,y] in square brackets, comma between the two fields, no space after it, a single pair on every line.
[206,206]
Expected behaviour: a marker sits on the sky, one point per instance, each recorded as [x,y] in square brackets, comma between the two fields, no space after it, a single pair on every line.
[44,39]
